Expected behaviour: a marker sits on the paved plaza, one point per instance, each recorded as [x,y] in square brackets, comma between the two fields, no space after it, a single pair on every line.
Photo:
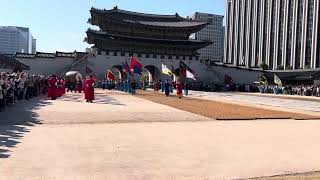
[282,102]
[125,137]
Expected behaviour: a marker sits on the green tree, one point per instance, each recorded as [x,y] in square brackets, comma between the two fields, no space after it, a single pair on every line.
[289,67]
[307,67]
[281,67]
[264,66]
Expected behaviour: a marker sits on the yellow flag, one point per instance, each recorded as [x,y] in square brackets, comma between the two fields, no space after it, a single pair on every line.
[277,80]
[166,70]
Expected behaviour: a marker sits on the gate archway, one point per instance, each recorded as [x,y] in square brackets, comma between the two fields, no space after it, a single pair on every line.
[117,71]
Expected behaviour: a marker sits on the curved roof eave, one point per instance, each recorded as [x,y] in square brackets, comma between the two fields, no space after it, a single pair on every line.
[103,35]
[116,10]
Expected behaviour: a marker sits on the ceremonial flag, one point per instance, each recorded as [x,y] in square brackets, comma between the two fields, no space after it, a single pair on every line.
[166,70]
[190,75]
[111,76]
[176,72]
[89,71]
[277,80]
[184,66]
[263,80]
[125,67]
[136,66]
[228,79]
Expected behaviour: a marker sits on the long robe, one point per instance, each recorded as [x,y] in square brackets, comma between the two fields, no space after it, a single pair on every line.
[167,88]
[79,86]
[179,89]
[144,85]
[59,91]
[63,87]
[89,90]
[52,90]
[158,86]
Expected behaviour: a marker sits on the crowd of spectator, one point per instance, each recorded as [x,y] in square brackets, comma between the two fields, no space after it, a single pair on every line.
[300,90]
[16,87]
[205,86]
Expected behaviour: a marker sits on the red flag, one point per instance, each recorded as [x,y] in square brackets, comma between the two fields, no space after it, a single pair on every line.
[111,76]
[136,66]
[135,63]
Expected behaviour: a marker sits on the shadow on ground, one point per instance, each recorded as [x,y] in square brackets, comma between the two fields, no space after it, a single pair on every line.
[100,98]
[15,121]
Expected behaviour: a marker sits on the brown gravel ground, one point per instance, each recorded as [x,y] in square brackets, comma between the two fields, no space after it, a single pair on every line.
[219,110]
[298,176]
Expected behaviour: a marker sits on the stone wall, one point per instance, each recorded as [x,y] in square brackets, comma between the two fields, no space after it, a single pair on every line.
[101,63]
[46,66]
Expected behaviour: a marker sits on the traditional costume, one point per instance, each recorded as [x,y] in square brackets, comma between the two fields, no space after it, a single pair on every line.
[186,88]
[179,89]
[167,88]
[79,86]
[89,89]
[52,88]
[133,87]
[59,90]
[144,85]
[63,87]
[158,86]
[162,86]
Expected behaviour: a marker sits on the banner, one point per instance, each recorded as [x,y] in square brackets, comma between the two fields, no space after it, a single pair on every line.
[264,80]
[277,80]
[136,66]
[111,76]
[166,70]
[190,75]
[89,71]
[184,66]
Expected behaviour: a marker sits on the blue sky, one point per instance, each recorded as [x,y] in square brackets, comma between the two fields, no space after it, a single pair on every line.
[60,25]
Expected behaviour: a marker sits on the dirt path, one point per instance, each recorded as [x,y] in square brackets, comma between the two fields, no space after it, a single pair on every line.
[219,110]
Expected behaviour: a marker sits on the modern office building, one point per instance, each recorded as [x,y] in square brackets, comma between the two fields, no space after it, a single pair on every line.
[213,32]
[15,39]
[283,34]
[34,46]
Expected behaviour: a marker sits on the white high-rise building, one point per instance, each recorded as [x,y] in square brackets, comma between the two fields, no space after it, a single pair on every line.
[15,39]
[34,46]
[282,34]
[213,32]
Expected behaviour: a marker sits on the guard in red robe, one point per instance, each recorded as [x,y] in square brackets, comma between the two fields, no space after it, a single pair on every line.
[179,89]
[52,89]
[158,86]
[79,86]
[63,86]
[89,89]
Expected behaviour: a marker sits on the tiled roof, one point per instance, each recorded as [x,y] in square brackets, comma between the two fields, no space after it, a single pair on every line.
[170,24]
[48,55]
[45,55]
[104,35]
[115,10]
[8,62]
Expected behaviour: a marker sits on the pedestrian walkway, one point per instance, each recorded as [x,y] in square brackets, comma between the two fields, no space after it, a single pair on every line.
[302,104]
[125,137]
